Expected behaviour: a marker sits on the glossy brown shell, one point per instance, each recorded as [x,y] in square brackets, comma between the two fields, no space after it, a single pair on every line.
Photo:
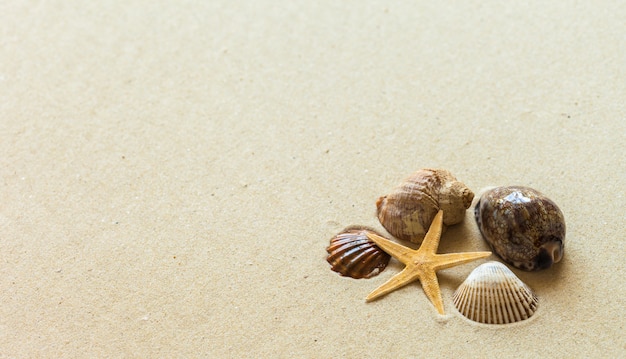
[407,212]
[352,254]
[522,226]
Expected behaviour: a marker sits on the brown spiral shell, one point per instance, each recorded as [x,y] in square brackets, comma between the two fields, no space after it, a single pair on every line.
[523,226]
[352,254]
[409,209]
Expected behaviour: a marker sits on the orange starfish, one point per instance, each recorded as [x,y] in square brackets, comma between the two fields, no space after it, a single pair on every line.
[422,263]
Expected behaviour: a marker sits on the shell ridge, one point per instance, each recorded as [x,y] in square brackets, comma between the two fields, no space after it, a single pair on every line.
[365,257]
[464,300]
[345,244]
[480,314]
[350,249]
[357,262]
[502,318]
[468,309]
[345,254]
[523,299]
[488,293]
[512,300]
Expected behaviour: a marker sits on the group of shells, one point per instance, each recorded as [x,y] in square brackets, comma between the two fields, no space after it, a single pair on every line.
[521,225]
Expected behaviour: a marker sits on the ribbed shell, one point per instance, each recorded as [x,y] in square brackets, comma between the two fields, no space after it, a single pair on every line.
[410,208]
[493,294]
[352,254]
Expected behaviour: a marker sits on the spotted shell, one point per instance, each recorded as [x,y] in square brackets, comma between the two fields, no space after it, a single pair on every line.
[352,254]
[522,226]
[407,212]
[493,294]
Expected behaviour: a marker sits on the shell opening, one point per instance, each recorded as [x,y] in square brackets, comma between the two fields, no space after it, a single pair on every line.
[555,249]
[549,253]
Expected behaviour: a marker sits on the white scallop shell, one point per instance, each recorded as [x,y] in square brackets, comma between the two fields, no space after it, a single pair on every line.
[492,294]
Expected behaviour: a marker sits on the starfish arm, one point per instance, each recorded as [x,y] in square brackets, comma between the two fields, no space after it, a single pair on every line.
[432,290]
[398,251]
[431,240]
[443,261]
[399,280]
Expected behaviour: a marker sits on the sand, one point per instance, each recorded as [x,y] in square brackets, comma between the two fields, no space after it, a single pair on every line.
[171,172]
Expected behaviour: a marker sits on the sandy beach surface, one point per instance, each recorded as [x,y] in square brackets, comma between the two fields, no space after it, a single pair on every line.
[171,172]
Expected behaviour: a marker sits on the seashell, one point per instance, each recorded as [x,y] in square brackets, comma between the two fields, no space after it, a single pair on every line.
[352,254]
[492,294]
[523,227]
[409,209]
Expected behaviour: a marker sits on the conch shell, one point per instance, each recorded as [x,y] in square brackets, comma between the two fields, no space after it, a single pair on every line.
[406,213]
[492,294]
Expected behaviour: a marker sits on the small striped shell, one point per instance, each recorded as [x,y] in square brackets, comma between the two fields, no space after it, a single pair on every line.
[352,254]
[493,294]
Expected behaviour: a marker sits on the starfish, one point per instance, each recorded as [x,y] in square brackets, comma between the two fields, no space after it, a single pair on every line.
[422,263]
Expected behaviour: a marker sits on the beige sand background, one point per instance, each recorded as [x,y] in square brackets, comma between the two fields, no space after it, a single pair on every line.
[171,172]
